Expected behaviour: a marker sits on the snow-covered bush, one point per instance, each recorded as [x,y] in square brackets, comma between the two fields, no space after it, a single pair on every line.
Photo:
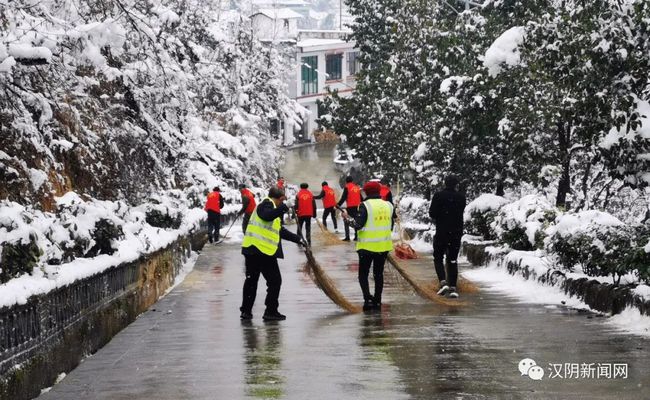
[79,228]
[598,244]
[412,208]
[480,213]
[521,224]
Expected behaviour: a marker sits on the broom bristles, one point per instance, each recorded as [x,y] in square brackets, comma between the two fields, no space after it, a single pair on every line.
[426,291]
[330,238]
[327,286]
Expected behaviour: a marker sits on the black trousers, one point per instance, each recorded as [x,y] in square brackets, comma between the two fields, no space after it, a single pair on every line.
[214,224]
[244,223]
[352,212]
[331,211]
[267,266]
[447,243]
[305,221]
[369,259]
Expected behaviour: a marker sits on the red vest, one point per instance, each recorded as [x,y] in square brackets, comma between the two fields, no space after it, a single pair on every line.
[354,195]
[213,202]
[305,203]
[280,183]
[383,192]
[330,197]
[251,204]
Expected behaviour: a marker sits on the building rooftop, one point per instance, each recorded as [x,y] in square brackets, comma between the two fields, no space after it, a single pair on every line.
[322,44]
[275,3]
[277,13]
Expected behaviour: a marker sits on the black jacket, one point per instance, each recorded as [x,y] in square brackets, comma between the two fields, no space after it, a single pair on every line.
[267,212]
[447,207]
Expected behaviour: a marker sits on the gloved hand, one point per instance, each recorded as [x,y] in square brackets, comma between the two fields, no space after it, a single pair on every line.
[303,243]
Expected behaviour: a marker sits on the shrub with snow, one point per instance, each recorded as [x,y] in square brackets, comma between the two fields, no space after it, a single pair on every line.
[599,244]
[412,208]
[521,224]
[480,213]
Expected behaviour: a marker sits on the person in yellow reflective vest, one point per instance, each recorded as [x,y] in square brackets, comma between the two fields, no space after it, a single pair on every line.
[261,247]
[374,223]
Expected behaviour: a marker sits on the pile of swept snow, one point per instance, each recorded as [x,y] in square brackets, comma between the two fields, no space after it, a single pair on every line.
[70,242]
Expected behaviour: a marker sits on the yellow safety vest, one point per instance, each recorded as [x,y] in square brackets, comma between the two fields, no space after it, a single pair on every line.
[376,234]
[262,234]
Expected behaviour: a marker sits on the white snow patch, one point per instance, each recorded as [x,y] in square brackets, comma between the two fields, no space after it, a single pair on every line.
[483,203]
[525,291]
[37,178]
[630,320]
[504,50]
[29,52]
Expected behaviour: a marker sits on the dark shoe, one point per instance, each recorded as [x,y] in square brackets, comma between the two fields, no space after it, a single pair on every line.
[347,239]
[276,316]
[368,304]
[453,294]
[246,315]
[210,239]
[376,305]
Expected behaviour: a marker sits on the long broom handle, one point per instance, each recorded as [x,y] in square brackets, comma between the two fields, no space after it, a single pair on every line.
[231,225]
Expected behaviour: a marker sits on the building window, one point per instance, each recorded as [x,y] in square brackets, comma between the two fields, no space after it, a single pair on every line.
[309,75]
[353,62]
[333,64]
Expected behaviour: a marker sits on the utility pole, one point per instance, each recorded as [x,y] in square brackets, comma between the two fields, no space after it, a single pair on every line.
[340,15]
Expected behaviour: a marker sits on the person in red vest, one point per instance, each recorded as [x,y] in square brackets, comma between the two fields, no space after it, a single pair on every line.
[385,192]
[305,210]
[247,205]
[280,183]
[352,198]
[329,202]
[213,206]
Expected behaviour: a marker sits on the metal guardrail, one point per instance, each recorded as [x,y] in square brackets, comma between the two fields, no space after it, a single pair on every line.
[25,329]
[43,317]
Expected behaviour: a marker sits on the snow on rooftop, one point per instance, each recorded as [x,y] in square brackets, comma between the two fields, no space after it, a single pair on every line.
[278,13]
[320,42]
[275,3]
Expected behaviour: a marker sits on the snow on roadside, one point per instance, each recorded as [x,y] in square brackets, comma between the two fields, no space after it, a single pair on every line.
[188,266]
[530,292]
[526,291]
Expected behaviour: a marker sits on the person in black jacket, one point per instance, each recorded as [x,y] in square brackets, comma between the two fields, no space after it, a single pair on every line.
[446,211]
[267,265]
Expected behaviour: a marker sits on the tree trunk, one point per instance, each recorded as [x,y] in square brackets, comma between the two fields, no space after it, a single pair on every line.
[564,186]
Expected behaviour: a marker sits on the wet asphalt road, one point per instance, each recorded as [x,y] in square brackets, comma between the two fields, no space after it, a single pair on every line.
[192,345]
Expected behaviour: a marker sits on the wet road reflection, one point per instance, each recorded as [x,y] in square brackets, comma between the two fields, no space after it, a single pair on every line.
[193,346]
[263,371]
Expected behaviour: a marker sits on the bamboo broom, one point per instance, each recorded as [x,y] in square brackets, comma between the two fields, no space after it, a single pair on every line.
[324,282]
[425,291]
[330,238]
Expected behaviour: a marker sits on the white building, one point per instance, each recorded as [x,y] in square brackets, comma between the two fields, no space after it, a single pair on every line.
[275,23]
[324,61]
